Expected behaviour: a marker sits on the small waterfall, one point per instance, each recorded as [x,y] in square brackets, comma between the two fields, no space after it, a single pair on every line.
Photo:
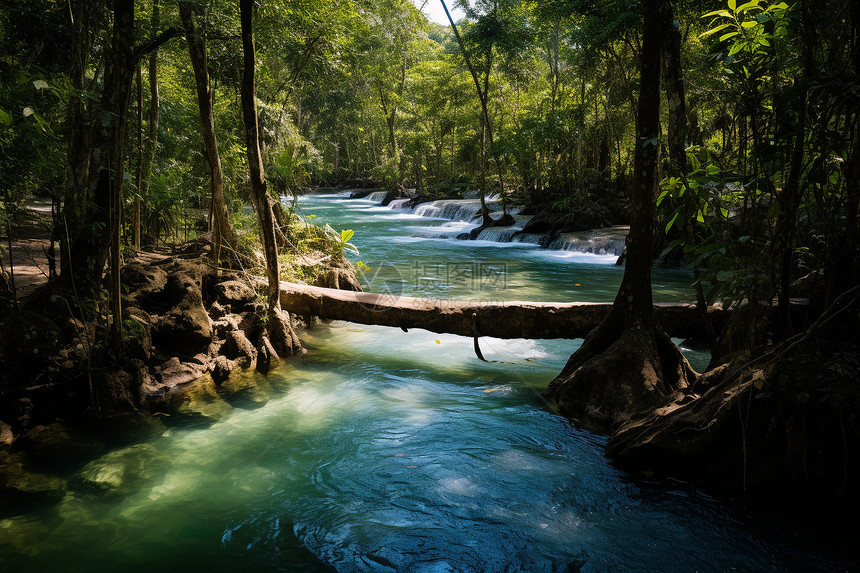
[536,238]
[377,196]
[451,209]
[608,241]
[399,203]
[498,234]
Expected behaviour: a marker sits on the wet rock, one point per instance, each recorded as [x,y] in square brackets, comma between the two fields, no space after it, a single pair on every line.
[119,471]
[235,294]
[54,445]
[21,488]
[202,406]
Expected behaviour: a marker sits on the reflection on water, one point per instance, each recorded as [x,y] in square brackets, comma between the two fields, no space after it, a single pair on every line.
[390,451]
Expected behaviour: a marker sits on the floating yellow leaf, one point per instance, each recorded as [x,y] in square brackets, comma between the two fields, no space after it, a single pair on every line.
[438,341]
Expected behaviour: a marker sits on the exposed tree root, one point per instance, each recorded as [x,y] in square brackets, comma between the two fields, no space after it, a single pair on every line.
[623,367]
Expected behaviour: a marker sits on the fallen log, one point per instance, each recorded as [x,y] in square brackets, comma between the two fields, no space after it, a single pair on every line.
[479,317]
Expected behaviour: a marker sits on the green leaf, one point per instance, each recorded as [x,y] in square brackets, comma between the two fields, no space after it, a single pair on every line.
[346,235]
[723,13]
[700,216]
[749,24]
[5,118]
[733,4]
[725,37]
[714,30]
[672,222]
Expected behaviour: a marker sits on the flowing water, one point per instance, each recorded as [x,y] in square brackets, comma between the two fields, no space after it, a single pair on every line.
[390,451]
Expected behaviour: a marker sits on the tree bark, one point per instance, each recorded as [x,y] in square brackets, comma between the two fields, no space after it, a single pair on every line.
[199,62]
[628,362]
[152,129]
[280,333]
[676,127]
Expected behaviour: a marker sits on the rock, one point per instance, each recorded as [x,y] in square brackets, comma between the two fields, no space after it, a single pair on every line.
[116,392]
[238,347]
[217,310]
[54,445]
[201,406]
[145,282]
[6,436]
[221,369]
[118,471]
[137,324]
[186,328]
[251,324]
[339,278]
[174,373]
[22,489]
[35,337]
[235,294]
[226,324]
[267,358]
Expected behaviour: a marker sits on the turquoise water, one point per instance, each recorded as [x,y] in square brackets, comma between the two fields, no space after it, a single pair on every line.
[390,451]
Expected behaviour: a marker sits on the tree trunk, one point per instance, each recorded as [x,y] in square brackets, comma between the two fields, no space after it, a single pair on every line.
[76,201]
[152,129]
[280,332]
[628,362]
[199,61]
[676,127]
[138,183]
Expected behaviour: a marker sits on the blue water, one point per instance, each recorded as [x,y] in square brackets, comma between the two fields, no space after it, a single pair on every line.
[390,451]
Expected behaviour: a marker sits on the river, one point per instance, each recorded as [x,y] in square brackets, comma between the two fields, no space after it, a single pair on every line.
[389,451]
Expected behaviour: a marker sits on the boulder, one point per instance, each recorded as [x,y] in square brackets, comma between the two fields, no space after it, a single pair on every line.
[21,488]
[238,347]
[235,294]
[144,282]
[186,328]
[119,471]
[221,369]
[174,373]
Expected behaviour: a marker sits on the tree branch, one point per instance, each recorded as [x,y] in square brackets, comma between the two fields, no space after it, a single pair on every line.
[155,43]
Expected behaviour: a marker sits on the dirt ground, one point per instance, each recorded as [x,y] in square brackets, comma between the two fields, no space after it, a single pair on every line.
[30,243]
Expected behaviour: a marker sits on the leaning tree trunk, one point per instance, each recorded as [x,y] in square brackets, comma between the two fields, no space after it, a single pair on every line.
[280,333]
[628,362]
[199,61]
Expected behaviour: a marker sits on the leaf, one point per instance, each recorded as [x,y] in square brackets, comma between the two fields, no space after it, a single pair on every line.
[5,118]
[733,4]
[714,30]
[28,111]
[723,13]
[346,235]
[749,24]
[725,37]
[672,222]
[40,84]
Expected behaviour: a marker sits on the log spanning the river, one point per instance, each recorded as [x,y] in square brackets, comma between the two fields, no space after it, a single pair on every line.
[510,319]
